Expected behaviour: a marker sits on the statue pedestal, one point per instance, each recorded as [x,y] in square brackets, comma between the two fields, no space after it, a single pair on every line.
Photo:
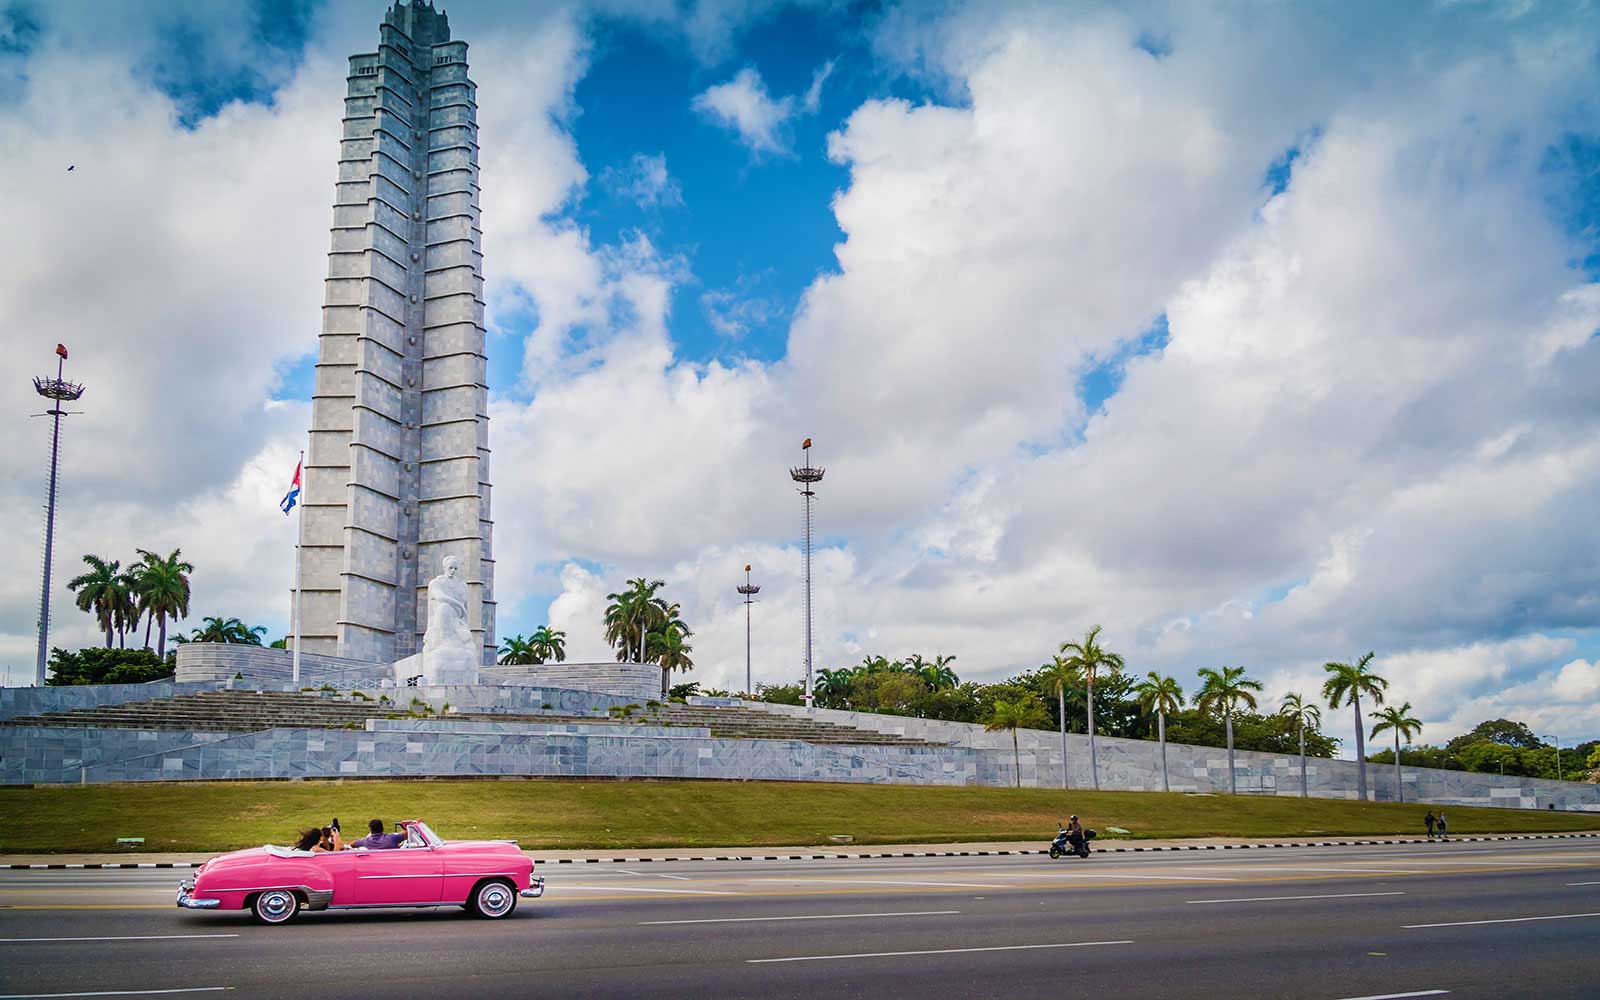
[450,666]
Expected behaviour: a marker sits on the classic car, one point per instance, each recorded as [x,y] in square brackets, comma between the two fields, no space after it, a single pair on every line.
[484,877]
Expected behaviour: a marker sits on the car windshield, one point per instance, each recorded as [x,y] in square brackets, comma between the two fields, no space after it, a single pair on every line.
[420,835]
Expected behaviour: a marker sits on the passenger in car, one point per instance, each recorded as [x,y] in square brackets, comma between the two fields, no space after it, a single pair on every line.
[377,840]
[320,839]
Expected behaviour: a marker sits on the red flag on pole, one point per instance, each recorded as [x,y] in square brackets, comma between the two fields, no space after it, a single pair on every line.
[61,349]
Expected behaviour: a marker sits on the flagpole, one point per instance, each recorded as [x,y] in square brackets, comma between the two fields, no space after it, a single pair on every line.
[299,540]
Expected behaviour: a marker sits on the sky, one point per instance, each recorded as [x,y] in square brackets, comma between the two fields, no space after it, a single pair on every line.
[1261,335]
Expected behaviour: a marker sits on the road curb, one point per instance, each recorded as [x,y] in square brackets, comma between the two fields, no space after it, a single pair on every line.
[886,854]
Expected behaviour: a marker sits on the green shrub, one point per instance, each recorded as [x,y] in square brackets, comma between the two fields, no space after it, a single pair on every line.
[98,665]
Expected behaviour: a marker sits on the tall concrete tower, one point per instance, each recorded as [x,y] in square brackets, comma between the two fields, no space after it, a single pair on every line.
[397,476]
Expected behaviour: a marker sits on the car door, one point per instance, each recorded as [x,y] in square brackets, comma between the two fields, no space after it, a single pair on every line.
[398,877]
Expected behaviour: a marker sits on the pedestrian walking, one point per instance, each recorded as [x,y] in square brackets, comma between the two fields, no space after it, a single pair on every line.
[1444,831]
[1428,821]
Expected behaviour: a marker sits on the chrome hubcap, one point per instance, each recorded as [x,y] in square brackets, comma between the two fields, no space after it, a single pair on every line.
[495,899]
[277,905]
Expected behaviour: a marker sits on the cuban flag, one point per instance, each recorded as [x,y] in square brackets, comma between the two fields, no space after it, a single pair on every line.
[293,496]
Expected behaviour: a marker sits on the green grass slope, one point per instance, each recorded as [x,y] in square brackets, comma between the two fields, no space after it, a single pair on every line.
[195,816]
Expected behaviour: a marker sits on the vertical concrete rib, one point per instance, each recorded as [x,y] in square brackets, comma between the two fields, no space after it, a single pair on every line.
[397,476]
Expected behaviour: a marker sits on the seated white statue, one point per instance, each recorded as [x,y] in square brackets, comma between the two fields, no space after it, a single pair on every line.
[450,652]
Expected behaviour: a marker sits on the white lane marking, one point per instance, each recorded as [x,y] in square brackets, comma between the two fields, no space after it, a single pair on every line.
[635,888]
[1303,868]
[867,881]
[1502,920]
[1174,877]
[129,937]
[820,916]
[1583,883]
[681,878]
[935,951]
[1268,899]
[1398,996]
[114,993]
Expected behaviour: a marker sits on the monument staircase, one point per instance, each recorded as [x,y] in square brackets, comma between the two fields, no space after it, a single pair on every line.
[252,711]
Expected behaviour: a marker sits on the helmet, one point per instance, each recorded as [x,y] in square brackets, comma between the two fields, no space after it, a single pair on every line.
[1072,817]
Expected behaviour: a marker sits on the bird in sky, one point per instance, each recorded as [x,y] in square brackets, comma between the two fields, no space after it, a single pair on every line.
[71,167]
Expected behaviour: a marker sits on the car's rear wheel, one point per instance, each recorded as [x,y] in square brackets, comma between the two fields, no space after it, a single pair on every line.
[275,906]
[493,900]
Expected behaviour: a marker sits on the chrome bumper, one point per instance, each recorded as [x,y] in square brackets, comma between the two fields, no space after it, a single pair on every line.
[535,888]
[187,900]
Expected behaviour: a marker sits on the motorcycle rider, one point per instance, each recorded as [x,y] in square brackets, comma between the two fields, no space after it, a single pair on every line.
[1075,833]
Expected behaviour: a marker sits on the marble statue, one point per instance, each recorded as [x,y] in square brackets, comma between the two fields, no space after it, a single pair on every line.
[450,652]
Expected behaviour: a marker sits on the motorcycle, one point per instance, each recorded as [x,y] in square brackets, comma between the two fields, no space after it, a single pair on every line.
[1063,845]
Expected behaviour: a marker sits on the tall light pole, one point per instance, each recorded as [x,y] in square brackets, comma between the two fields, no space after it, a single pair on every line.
[749,590]
[807,475]
[61,391]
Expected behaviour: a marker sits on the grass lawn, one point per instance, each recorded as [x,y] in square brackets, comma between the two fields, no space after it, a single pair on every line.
[215,816]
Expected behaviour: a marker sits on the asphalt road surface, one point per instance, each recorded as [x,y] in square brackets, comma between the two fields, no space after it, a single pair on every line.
[1459,920]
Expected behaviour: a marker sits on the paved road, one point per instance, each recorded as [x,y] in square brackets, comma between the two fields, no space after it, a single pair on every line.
[1321,923]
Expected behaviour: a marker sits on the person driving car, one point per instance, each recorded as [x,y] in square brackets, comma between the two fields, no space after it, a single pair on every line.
[377,840]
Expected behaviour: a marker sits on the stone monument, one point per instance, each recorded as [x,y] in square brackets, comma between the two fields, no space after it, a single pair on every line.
[397,477]
[450,652]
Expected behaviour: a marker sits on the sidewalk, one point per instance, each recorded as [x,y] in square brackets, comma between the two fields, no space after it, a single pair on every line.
[808,853]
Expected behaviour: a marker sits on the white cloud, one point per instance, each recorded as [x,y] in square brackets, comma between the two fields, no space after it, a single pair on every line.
[743,105]
[644,181]
[812,102]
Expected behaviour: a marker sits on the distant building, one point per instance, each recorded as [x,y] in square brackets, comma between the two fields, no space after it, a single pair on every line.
[397,476]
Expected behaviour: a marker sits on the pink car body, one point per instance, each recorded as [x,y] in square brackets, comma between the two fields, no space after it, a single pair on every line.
[276,883]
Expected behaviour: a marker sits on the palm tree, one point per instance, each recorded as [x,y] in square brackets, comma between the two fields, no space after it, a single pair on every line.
[162,586]
[1026,712]
[630,616]
[1303,713]
[548,644]
[668,648]
[230,630]
[1163,696]
[1404,724]
[100,592]
[125,611]
[1088,658]
[1346,683]
[1225,691]
[833,687]
[1057,677]
[517,651]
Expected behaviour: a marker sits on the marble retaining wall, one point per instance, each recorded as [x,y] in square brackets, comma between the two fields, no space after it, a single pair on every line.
[58,755]
[1134,765]
[447,725]
[639,681]
[221,661]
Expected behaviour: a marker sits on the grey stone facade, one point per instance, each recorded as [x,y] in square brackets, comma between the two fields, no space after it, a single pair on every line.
[397,476]
[216,661]
[639,681]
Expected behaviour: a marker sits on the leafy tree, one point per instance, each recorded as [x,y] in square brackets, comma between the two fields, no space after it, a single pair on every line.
[630,615]
[97,665]
[1024,712]
[688,690]
[1593,763]
[516,650]
[1089,658]
[1161,696]
[668,648]
[831,688]
[1502,731]
[280,643]
[1223,692]
[161,584]
[1302,713]
[102,592]
[548,644]
[1346,683]
[781,694]
[230,630]
[889,692]
[938,675]
[1402,723]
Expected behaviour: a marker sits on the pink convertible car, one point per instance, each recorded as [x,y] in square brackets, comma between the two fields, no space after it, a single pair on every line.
[276,883]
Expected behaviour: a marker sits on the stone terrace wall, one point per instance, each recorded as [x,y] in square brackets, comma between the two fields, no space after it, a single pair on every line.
[56,755]
[1134,765]
[220,661]
[639,681]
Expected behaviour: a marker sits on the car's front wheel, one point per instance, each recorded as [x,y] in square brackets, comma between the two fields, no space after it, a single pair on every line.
[493,900]
[275,906]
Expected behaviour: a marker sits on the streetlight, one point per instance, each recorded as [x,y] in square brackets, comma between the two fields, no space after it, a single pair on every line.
[806,476]
[749,590]
[61,391]
[1557,742]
